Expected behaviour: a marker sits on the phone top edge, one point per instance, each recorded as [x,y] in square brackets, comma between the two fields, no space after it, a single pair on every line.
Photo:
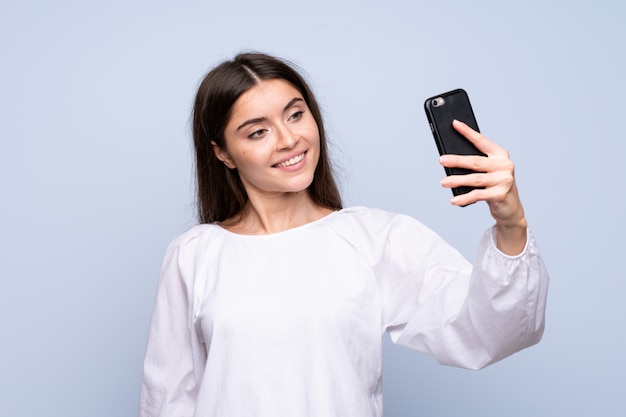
[447,93]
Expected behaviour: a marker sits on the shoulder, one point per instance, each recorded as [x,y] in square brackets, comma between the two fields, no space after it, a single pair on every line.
[371,218]
[193,237]
[363,224]
[187,249]
[382,237]
[361,213]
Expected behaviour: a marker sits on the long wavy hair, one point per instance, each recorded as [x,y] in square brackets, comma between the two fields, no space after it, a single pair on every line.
[220,192]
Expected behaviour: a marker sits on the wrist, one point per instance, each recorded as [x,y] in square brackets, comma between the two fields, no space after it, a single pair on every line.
[511,236]
[519,223]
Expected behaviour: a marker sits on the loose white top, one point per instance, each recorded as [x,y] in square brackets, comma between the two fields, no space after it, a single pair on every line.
[290,324]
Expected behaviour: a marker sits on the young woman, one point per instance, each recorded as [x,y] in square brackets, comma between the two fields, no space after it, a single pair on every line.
[276,303]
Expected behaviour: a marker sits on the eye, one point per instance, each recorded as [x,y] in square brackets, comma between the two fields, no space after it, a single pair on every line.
[296,116]
[257,134]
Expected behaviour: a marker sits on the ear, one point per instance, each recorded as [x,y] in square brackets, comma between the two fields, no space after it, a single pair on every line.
[223,156]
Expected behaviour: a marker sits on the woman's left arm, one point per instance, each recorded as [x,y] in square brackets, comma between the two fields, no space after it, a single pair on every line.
[496,173]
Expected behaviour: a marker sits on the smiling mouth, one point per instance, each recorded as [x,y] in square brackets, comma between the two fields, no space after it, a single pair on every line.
[291,161]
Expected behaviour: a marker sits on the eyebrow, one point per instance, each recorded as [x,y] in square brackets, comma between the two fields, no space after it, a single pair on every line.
[289,105]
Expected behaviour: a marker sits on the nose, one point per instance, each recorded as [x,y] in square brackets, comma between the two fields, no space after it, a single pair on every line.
[287,139]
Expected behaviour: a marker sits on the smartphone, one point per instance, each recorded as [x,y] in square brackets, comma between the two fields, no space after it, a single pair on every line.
[441,110]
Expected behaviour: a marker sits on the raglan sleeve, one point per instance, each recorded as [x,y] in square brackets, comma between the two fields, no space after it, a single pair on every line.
[465,315]
[175,356]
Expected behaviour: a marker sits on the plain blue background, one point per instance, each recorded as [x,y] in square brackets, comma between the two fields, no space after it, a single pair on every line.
[96,177]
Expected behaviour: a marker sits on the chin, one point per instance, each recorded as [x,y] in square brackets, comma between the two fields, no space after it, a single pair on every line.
[296,190]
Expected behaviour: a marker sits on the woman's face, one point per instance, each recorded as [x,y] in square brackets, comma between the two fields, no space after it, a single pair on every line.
[272,139]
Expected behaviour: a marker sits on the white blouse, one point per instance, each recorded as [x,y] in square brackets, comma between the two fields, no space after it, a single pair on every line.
[290,324]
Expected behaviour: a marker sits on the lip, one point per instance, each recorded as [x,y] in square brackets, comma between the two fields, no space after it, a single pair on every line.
[291,156]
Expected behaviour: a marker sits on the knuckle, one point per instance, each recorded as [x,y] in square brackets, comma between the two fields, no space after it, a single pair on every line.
[476,164]
[480,181]
[508,180]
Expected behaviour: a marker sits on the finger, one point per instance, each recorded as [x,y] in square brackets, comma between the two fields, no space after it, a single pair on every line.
[473,162]
[477,163]
[497,180]
[490,194]
[466,199]
[479,140]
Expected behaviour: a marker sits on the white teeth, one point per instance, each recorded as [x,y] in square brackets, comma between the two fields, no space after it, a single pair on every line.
[292,161]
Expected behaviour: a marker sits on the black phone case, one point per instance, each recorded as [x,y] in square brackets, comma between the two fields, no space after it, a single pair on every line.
[441,110]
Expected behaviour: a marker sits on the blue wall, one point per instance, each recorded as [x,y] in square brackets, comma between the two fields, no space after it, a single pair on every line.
[96,177]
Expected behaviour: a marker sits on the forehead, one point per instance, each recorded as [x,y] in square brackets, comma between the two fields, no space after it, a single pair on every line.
[266,97]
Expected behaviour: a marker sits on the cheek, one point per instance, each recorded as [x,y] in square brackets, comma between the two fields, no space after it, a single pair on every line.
[250,159]
[315,134]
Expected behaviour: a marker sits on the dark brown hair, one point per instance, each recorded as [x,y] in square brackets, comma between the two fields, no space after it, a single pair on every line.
[220,193]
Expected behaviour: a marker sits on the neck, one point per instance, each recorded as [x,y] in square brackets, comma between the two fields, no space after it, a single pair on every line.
[275,214]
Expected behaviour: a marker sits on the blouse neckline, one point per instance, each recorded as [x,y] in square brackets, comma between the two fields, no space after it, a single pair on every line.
[283,232]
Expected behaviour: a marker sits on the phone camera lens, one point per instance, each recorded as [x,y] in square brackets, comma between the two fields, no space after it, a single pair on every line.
[438,102]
